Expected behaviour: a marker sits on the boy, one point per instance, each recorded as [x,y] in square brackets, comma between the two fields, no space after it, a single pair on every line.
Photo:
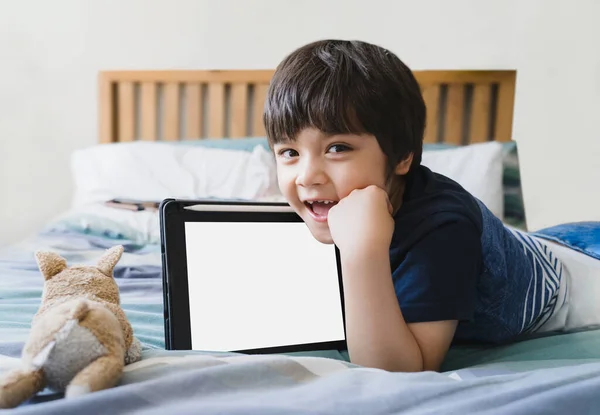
[424,262]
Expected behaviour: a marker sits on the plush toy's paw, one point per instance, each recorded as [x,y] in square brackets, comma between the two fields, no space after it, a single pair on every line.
[102,373]
[134,353]
[18,386]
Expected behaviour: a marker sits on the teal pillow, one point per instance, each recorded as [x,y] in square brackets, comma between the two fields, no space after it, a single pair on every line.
[514,208]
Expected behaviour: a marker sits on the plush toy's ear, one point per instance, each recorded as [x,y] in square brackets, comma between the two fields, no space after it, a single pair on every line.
[107,262]
[50,263]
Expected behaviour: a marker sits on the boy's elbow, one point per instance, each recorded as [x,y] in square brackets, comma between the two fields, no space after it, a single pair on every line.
[404,368]
[392,366]
[392,363]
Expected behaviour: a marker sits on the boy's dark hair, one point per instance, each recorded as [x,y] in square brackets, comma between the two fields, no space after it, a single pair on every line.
[347,87]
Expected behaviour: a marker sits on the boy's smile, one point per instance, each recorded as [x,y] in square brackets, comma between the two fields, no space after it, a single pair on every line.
[317,170]
[319,208]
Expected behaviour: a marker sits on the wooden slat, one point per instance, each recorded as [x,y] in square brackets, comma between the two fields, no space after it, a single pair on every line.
[126,111]
[480,113]
[148,112]
[193,111]
[454,112]
[185,76]
[106,106]
[239,110]
[258,104]
[504,113]
[431,95]
[171,106]
[461,77]
[264,76]
[117,104]
[216,110]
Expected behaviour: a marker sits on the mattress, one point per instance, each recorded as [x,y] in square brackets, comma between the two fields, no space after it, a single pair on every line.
[551,374]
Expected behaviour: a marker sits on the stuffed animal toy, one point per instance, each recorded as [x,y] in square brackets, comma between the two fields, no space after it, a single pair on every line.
[80,338]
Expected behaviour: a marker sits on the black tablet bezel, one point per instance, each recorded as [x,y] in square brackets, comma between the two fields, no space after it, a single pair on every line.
[173,215]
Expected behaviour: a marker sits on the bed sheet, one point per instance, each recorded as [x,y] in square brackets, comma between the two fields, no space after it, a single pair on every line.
[137,275]
[553,374]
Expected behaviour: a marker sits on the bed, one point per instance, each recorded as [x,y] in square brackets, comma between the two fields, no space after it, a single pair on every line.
[203,125]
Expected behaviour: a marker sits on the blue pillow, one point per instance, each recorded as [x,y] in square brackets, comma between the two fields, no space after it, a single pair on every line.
[583,237]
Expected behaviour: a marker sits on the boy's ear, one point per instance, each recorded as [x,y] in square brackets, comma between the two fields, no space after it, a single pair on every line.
[50,263]
[403,167]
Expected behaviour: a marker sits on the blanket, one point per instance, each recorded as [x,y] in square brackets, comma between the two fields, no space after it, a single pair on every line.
[278,384]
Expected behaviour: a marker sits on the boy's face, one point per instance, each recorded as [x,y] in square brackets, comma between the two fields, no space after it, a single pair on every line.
[316,171]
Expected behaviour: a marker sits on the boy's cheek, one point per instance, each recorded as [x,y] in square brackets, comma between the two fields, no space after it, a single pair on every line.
[284,189]
[286,184]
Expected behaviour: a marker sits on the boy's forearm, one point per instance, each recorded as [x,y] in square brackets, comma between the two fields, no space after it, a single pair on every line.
[377,334]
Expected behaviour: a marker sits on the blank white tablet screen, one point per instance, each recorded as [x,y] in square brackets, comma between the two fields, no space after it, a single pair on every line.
[254,285]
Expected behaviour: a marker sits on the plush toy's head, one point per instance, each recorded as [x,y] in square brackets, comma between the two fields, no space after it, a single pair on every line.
[96,281]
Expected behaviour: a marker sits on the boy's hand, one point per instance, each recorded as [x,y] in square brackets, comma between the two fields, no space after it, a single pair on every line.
[362,221]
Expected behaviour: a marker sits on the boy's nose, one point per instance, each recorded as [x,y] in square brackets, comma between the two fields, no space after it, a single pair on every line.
[311,174]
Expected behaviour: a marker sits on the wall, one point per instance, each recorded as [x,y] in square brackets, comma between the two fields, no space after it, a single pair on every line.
[557,122]
[50,60]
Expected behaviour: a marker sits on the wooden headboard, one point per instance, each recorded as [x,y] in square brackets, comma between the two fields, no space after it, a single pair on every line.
[463,106]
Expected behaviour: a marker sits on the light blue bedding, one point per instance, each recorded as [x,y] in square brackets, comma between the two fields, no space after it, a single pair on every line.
[137,274]
[557,374]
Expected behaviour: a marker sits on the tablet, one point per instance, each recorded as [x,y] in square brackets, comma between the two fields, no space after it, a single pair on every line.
[247,277]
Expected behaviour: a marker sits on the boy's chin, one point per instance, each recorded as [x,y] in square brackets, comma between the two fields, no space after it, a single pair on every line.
[321,234]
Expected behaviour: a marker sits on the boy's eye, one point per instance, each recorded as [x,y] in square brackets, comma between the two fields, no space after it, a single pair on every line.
[338,148]
[288,153]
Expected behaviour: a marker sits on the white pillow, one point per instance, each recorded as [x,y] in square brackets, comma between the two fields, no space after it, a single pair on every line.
[155,171]
[476,167]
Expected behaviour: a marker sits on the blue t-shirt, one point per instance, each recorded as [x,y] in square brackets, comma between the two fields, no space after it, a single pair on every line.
[452,259]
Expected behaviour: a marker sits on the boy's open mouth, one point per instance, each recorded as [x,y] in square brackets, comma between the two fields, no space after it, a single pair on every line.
[320,208]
